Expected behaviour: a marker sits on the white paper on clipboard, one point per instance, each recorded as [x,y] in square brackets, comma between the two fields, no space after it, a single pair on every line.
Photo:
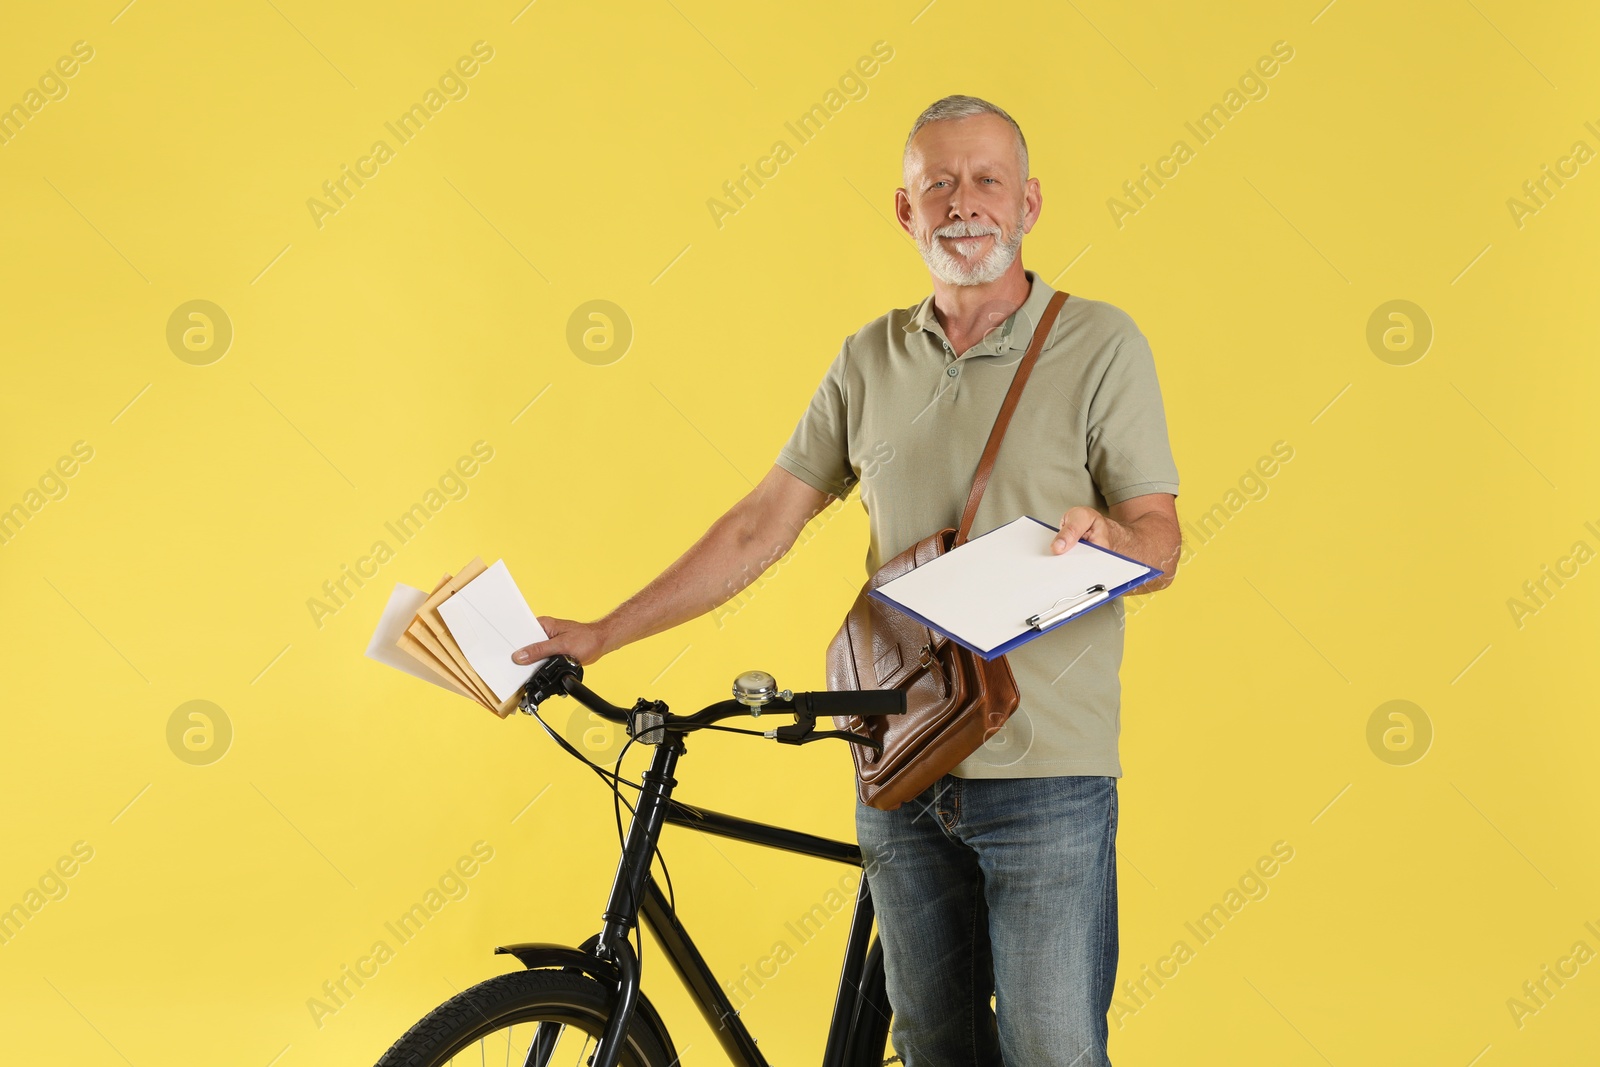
[982,593]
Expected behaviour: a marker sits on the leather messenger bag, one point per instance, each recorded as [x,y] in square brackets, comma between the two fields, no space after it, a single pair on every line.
[955,699]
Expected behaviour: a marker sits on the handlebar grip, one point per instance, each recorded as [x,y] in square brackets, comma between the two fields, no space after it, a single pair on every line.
[860,703]
[563,675]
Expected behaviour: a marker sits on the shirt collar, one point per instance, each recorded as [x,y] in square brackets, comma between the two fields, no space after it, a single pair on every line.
[1012,335]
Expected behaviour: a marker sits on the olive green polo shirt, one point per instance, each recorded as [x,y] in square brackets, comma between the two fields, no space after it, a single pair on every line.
[898,414]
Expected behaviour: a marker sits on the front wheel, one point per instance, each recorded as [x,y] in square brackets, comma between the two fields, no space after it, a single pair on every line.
[526,1017]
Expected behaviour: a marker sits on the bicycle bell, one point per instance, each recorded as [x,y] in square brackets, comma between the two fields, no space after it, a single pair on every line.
[754,689]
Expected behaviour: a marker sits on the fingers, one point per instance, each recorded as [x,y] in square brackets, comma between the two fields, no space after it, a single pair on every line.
[1074,524]
[529,653]
[539,649]
[566,637]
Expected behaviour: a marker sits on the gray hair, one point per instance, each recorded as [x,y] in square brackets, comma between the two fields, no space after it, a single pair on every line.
[961,107]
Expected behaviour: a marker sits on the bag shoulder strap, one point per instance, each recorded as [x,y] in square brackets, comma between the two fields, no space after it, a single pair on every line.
[980,481]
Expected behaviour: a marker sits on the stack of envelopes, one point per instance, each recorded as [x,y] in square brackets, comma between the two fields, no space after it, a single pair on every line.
[462,635]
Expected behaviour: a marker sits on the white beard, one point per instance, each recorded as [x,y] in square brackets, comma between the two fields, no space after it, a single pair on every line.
[955,271]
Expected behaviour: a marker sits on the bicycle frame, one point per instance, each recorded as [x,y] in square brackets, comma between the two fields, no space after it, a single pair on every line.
[635,893]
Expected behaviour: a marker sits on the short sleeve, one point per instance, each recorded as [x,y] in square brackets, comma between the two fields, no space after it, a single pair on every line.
[1129,453]
[818,451]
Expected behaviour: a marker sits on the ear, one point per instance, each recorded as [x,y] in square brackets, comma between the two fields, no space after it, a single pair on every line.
[1033,204]
[902,210]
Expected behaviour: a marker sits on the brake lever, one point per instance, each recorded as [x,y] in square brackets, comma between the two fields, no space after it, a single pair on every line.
[546,682]
[803,732]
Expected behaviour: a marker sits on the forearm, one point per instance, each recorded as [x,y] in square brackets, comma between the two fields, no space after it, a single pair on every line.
[1152,539]
[727,558]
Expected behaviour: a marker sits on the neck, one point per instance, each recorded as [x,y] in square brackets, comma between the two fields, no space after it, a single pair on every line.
[967,312]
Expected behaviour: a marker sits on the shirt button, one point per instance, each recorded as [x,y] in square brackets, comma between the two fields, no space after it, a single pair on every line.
[951,371]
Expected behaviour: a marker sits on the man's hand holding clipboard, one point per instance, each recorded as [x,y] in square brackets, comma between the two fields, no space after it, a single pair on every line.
[1145,528]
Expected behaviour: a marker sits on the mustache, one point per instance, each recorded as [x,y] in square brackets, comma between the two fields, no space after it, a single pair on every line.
[966,229]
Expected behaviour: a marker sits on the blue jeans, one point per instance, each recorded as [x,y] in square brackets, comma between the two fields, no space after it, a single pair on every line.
[1003,887]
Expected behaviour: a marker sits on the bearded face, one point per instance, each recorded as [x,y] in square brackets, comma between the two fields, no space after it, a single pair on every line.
[968,252]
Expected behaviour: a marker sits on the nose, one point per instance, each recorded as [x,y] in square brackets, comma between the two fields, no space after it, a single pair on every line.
[957,198]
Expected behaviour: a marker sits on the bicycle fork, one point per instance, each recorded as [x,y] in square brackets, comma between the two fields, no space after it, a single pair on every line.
[622,910]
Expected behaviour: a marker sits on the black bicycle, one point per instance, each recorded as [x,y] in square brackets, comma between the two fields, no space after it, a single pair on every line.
[584,1004]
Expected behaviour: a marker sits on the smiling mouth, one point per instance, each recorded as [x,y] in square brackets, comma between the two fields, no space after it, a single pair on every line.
[966,247]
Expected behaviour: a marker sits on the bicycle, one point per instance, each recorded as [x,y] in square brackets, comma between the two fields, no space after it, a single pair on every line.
[592,992]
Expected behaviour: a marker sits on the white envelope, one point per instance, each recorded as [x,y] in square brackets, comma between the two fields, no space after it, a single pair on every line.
[489,619]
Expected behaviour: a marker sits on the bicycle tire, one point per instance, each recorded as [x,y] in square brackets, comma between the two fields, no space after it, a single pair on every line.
[873,1049]
[519,998]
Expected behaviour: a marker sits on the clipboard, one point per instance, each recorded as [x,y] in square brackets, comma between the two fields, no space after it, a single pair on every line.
[1006,587]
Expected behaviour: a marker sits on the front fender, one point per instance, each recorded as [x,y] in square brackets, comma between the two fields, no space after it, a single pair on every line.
[541,955]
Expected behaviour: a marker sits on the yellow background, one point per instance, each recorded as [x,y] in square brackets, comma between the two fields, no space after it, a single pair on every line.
[431,310]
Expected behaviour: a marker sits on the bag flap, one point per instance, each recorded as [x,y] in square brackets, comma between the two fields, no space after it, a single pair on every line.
[931,707]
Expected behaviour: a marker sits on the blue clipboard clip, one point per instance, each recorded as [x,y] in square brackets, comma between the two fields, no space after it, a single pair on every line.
[1089,597]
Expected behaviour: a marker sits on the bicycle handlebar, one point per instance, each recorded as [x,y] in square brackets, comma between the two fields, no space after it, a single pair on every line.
[563,676]
[860,703]
[591,700]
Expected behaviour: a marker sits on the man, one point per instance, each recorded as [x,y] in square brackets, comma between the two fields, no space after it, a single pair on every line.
[1000,880]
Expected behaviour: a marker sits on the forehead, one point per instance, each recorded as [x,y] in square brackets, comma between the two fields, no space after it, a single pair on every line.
[984,141]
